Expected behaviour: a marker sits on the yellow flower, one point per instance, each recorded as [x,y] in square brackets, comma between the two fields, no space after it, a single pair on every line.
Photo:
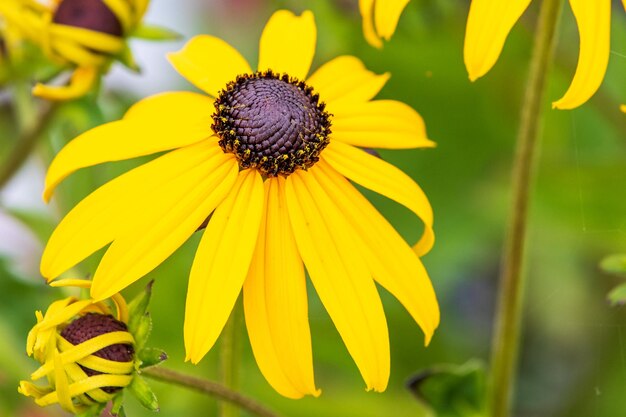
[257,155]
[490,22]
[82,34]
[380,19]
[86,354]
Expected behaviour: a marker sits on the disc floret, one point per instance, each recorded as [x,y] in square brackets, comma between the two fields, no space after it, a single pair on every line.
[271,122]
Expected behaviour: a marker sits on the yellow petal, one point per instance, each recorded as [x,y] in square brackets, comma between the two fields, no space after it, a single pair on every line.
[379,176]
[76,53]
[209,63]
[366,7]
[275,302]
[288,44]
[594,27]
[221,264]
[340,277]
[162,122]
[107,212]
[345,80]
[390,259]
[488,25]
[83,78]
[91,39]
[386,16]
[380,124]
[181,204]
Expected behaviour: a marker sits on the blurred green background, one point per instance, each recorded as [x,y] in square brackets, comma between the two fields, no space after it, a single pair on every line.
[574,343]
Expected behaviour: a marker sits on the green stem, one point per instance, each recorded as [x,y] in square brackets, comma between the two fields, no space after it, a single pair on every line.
[25,144]
[230,358]
[211,388]
[511,293]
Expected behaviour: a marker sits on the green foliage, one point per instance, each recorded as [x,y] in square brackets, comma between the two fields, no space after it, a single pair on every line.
[452,390]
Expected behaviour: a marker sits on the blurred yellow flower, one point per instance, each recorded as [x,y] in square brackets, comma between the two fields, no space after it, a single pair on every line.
[490,22]
[380,19]
[82,34]
[86,354]
[256,161]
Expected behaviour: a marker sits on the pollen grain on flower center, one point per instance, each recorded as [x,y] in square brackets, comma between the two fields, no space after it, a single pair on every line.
[271,122]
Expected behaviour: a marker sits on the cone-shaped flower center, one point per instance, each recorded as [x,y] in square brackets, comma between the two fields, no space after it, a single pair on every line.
[91,325]
[88,14]
[271,122]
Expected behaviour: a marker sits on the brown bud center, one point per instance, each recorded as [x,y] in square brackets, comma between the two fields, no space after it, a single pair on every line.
[91,325]
[88,14]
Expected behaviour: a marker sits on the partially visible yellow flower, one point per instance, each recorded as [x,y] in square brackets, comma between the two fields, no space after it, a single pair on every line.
[86,353]
[380,19]
[265,155]
[490,22]
[82,34]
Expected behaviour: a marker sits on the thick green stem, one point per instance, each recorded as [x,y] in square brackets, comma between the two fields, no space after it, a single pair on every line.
[26,143]
[511,293]
[230,358]
[211,388]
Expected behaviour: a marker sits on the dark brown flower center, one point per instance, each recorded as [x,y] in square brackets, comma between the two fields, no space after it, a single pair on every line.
[91,325]
[271,122]
[88,14]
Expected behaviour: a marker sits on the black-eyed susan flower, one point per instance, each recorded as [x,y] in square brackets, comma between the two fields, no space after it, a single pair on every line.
[267,154]
[490,21]
[84,35]
[380,19]
[89,352]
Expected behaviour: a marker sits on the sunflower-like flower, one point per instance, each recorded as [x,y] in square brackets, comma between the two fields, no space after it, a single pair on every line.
[490,21]
[380,19]
[262,160]
[85,35]
[88,352]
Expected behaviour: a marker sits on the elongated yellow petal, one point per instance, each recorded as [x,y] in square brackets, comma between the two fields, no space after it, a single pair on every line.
[594,27]
[180,206]
[288,44]
[76,53]
[340,276]
[209,63]
[162,122]
[91,39]
[379,176]
[386,16]
[62,385]
[83,79]
[275,302]
[380,124]
[107,212]
[345,80]
[221,264]
[366,7]
[390,259]
[488,25]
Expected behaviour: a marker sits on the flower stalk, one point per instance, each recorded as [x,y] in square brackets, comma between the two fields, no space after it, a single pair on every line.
[512,280]
[229,357]
[208,387]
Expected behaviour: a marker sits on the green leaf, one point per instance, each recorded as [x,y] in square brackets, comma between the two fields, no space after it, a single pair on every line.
[138,306]
[93,411]
[155,33]
[151,357]
[127,59]
[117,408]
[614,264]
[452,390]
[617,296]
[142,391]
